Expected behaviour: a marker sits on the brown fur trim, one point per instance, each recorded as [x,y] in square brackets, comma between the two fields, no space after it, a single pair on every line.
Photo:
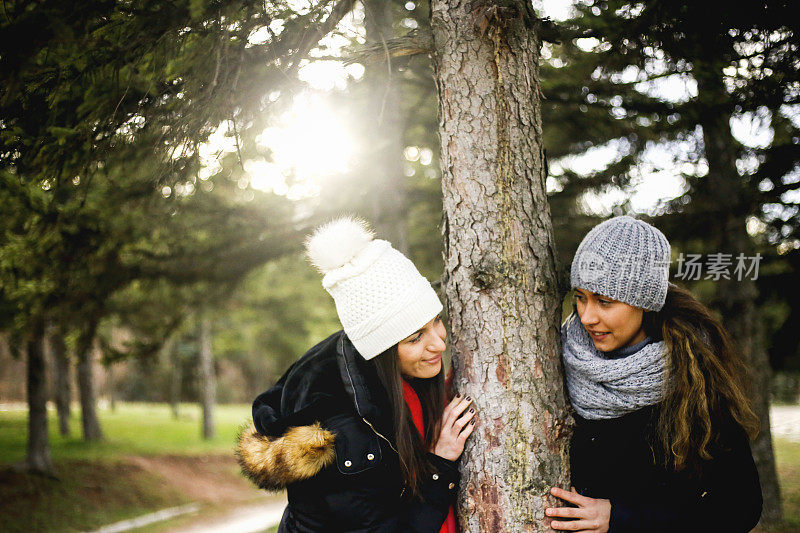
[272,463]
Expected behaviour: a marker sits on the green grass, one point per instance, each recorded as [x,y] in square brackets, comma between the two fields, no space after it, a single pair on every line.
[96,485]
[132,429]
[86,495]
[787,459]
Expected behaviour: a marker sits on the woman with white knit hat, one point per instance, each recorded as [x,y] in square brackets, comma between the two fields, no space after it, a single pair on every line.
[357,430]
[662,419]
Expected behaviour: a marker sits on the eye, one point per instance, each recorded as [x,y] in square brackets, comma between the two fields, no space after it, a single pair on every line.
[579,296]
[604,302]
[415,338]
[437,319]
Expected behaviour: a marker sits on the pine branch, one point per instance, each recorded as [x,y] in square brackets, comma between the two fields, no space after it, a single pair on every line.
[413,43]
[420,41]
[650,78]
[643,106]
[311,38]
[552,32]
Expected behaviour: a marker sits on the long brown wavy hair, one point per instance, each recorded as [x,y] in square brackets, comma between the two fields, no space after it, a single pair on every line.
[411,448]
[706,380]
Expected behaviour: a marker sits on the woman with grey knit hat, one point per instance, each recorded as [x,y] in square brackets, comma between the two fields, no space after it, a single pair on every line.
[358,430]
[662,418]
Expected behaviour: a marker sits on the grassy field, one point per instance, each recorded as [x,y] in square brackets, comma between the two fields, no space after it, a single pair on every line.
[148,461]
[151,461]
[787,457]
[86,496]
[131,429]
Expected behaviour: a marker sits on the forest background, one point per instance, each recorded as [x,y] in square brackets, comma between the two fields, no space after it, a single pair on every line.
[161,163]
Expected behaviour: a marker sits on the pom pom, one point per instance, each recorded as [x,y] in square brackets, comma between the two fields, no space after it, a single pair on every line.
[337,242]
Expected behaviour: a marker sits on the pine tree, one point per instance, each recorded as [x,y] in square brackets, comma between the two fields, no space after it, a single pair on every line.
[502,292]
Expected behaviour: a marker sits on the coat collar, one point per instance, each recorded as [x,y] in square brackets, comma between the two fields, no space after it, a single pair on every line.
[362,384]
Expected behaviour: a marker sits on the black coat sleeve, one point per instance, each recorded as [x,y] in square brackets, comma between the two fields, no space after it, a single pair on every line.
[438,494]
[733,499]
[728,499]
[428,513]
[266,410]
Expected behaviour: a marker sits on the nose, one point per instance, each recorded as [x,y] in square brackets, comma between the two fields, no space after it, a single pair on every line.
[589,315]
[437,343]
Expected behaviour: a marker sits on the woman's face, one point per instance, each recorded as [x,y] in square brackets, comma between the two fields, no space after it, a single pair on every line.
[421,353]
[611,324]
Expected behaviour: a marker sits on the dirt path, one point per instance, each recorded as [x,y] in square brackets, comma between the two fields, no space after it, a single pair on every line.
[228,503]
[247,519]
[210,479]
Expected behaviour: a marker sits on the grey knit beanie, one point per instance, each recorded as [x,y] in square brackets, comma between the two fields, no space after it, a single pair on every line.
[624,259]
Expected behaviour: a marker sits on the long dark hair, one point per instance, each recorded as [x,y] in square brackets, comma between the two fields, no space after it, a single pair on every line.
[411,448]
[706,380]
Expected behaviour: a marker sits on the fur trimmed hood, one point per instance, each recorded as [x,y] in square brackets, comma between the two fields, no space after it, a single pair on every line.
[273,463]
[314,416]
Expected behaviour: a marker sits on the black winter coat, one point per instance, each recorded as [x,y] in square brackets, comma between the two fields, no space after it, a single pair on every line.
[614,459]
[325,433]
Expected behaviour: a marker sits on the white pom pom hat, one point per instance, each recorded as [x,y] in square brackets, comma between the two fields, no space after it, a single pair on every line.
[380,296]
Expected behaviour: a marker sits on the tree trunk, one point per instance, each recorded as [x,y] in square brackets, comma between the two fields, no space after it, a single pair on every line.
[171,358]
[38,459]
[501,285]
[62,391]
[207,380]
[763,452]
[111,387]
[86,389]
[384,157]
[737,298]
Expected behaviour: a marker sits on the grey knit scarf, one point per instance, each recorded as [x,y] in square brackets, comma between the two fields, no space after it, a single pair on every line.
[601,387]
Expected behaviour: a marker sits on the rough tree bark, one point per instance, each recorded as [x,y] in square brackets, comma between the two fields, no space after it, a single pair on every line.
[737,298]
[383,159]
[207,381]
[90,423]
[38,459]
[62,391]
[501,285]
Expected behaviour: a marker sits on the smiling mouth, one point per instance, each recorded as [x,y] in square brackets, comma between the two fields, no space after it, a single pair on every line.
[434,360]
[598,335]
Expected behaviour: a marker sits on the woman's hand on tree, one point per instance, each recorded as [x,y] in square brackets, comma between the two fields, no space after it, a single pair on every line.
[457,424]
[592,514]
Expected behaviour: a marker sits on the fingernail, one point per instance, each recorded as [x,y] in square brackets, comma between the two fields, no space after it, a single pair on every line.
[458,395]
[472,410]
[469,398]
[472,422]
